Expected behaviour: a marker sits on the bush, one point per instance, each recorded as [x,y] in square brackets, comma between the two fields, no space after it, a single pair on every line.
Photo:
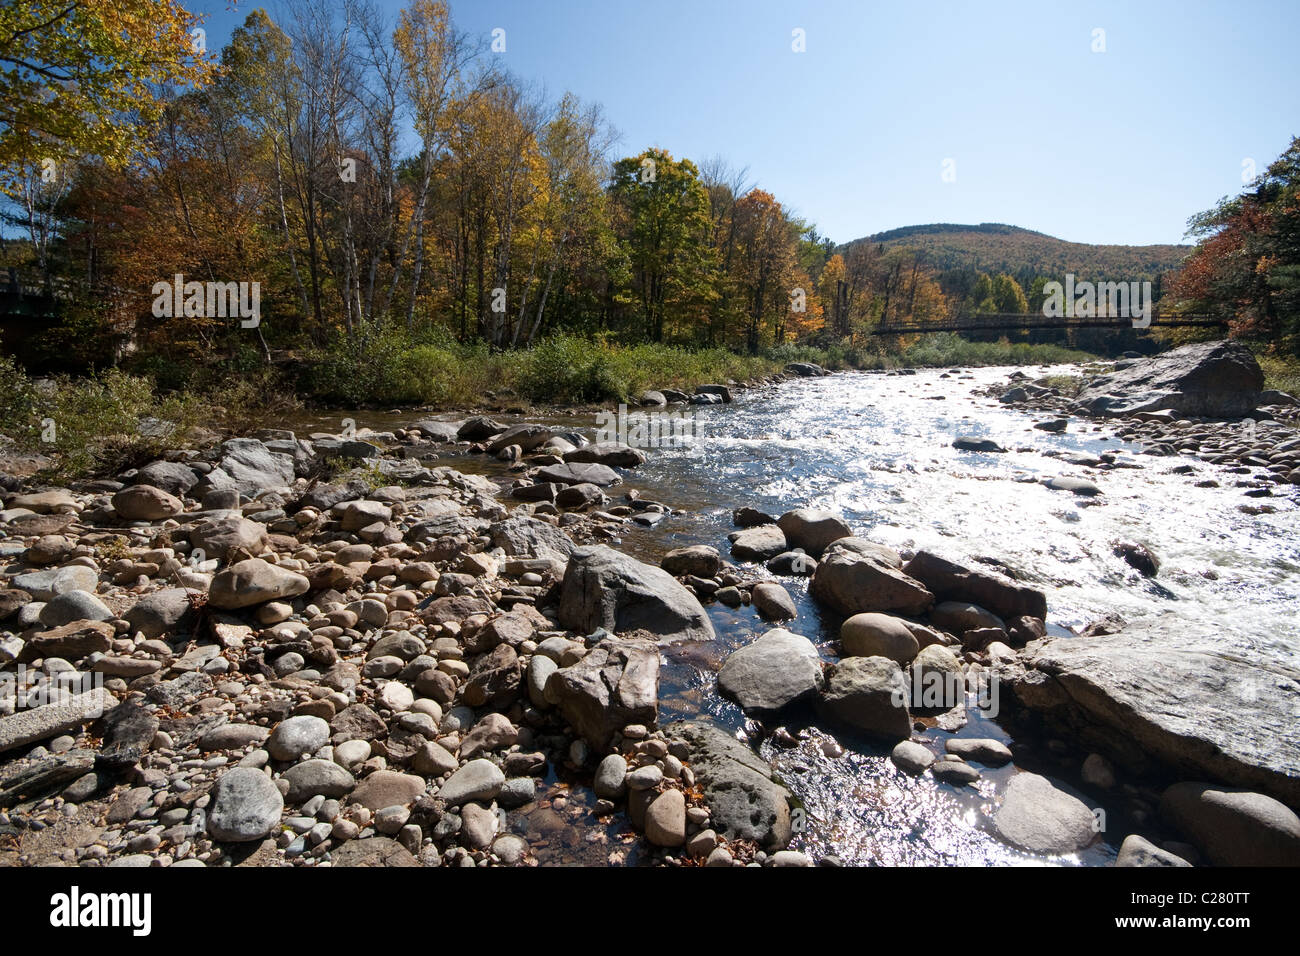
[566,368]
[93,425]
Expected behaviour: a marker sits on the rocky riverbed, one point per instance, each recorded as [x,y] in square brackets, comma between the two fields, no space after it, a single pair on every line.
[546,654]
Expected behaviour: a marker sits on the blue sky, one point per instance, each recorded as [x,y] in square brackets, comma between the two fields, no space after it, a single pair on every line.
[1115,146]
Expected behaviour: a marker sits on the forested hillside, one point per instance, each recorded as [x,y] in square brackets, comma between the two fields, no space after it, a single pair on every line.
[1025,254]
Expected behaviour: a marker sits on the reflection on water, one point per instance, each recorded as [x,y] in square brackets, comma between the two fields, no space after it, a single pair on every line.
[878,449]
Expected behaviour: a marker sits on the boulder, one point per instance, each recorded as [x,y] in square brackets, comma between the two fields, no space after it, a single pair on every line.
[160,613]
[577,474]
[49,584]
[971,443]
[773,602]
[811,530]
[253,581]
[71,641]
[527,437]
[317,777]
[479,779]
[251,467]
[478,428]
[878,635]
[745,801]
[246,806]
[665,819]
[1136,851]
[1233,827]
[606,588]
[949,581]
[522,536]
[776,670]
[1210,379]
[869,694]
[1038,817]
[387,788]
[146,503]
[1234,721]
[911,757]
[74,606]
[700,560]
[219,537]
[851,582]
[615,684]
[611,453]
[758,543]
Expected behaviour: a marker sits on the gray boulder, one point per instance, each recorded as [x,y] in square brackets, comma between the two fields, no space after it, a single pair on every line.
[252,467]
[1212,379]
[949,581]
[526,537]
[611,453]
[1234,720]
[745,800]
[812,530]
[161,612]
[1137,851]
[1233,827]
[606,588]
[1038,817]
[49,584]
[219,537]
[758,543]
[246,806]
[869,694]
[776,670]
[253,582]
[74,606]
[577,474]
[615,684]
[851,582]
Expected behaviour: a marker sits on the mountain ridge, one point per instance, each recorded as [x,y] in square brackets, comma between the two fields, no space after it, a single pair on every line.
[1001,247]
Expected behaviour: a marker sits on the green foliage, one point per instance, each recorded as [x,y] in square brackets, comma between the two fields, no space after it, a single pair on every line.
[1281,373]
[947,349]
[94,425]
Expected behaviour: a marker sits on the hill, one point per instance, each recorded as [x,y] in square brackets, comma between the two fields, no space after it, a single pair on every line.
[995,247]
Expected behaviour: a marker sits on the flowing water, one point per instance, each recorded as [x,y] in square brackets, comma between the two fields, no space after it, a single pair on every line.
[877,449]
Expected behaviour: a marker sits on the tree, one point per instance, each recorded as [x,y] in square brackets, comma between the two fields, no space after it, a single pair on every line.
[663,220]
[1246,266]
[74,71]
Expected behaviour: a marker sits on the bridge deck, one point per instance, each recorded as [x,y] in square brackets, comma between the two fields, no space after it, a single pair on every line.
[1036,321]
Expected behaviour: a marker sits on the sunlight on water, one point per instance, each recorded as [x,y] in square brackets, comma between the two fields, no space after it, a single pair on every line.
[878,449]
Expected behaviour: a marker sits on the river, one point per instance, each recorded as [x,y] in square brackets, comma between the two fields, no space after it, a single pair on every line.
[877,449]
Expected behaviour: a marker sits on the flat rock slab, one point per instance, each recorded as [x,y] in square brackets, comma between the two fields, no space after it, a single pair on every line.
[373,851]
[745,800]
[1197,702]
[41,723]
[578,474]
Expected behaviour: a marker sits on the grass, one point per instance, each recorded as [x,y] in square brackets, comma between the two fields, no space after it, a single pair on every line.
[1280,373]
[104,423]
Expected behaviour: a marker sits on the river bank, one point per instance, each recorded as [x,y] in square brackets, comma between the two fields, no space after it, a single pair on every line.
[505,555]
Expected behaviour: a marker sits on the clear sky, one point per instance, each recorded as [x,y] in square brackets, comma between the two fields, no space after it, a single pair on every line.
[1117,146]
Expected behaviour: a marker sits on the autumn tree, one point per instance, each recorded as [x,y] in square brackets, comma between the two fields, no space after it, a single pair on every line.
[1246,266]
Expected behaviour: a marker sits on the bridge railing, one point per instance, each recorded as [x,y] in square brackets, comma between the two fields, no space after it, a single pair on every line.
[1036,321]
